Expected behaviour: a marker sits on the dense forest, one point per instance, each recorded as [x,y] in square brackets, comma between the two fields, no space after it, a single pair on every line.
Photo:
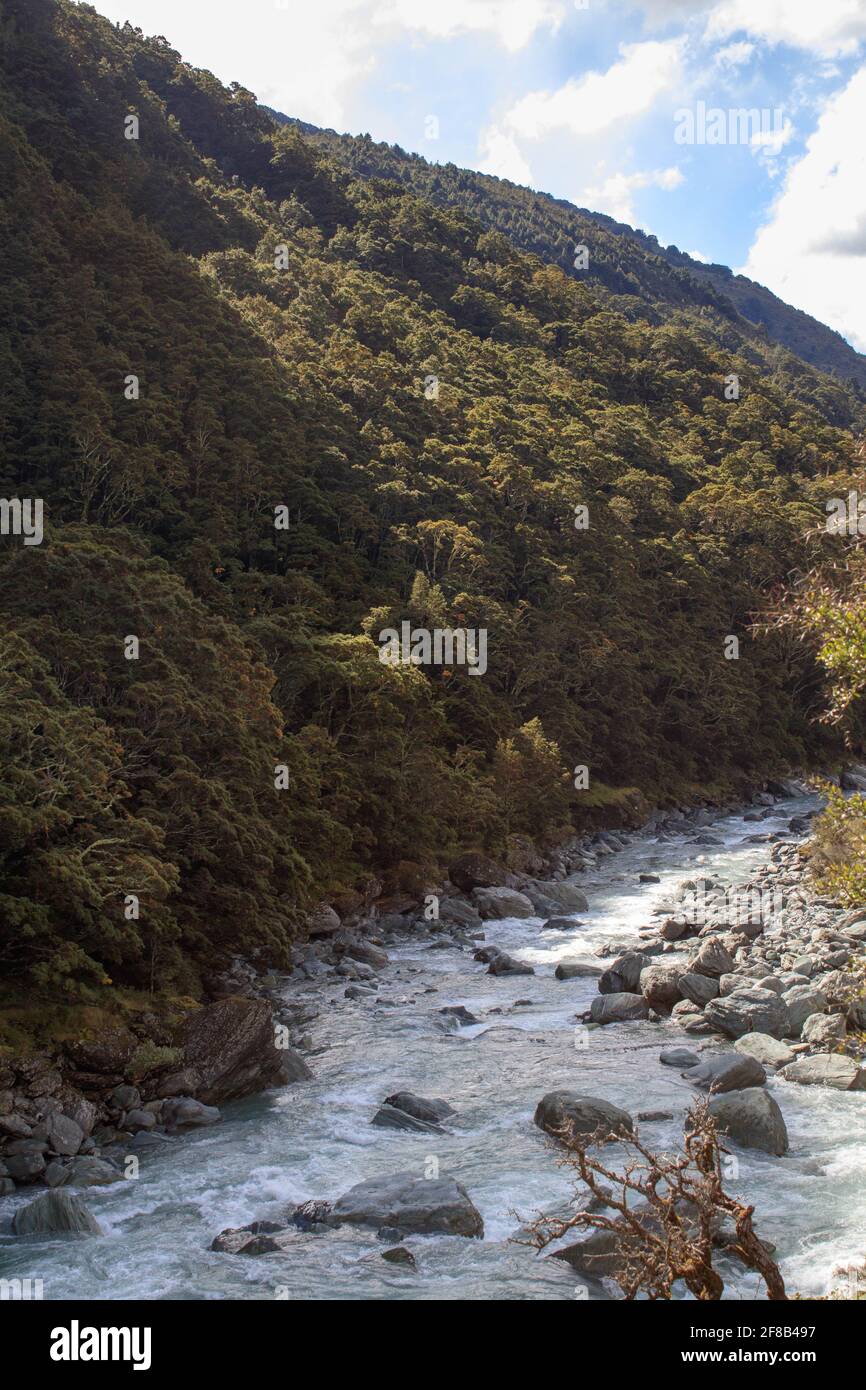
[274,406]
[627,267]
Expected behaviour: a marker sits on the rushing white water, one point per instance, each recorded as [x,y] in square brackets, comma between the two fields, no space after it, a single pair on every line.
[316,1140]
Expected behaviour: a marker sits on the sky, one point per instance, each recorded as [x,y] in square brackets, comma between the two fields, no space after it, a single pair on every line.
[627,107]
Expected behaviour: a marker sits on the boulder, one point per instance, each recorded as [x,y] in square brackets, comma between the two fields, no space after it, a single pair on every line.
[823,1031]
[566,896]
[826,1069]
[182,1112]
[498,903]
[766,1050]
[232,1048]
[576,970]
[726,1071]
[700,989]
[561,924]
[713,959]
[802,1002]
[460,1014]
[580,1115]
[110,1051]
[411,1205]
[88,1171]
[389,1117]
[660,986]
[618,1008]
[504,964]
[55,1213]
[366,952]
[433,1111]
[323,921]
[751,1118]
[678,1057]
[623,974]
[476,870]
[458,911]
[65,1136]
[749,1010]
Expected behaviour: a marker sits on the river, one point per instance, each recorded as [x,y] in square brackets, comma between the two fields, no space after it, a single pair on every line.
[316,1140]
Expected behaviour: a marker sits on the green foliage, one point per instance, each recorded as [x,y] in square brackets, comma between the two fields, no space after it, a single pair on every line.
[304,388]
[838,847]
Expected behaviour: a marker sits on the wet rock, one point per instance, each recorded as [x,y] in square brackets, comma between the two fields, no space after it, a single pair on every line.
[54,1213]
[499,903]
[399,1255]
[109,1051]
[727,1071]
[458,911]
[366,953]
[618,1008]
[749,1010]
[564,895]
[90,1171]
[680,1057]
[504,964]
[826,1069]
[561,924]
[126,1098]
[434,1111]
[183,1112]
[457,1011]
[389,1117]
[14,1126]
[231,1047]
[576,970]
[752,1118]
[138,1120]
[580,1115]
[411,1205]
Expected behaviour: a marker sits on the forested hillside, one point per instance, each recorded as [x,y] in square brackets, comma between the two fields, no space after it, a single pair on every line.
[212,328]
[645,278]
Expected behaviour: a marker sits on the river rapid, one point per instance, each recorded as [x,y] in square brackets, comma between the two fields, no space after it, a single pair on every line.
[315,1139]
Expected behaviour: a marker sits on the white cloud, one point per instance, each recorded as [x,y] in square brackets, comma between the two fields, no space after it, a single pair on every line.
[734,55]
[827,27]
[812,250]
[512,22]
[591,103]
[499,155]
[615,195]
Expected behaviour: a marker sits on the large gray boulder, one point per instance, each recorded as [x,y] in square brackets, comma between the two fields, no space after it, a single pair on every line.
[498,903]
[576,970]
[54,1213]
[389,1117]
[411,1205]
[749,1010]
[578,1114]
[182,1112]
[826,1069]
[802,1002]
[231,1049]
[726,1071]
[65,1136]
[752,1118]
[618,1008]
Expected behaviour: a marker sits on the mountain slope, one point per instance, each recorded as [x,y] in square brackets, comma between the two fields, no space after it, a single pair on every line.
[214,325]
[624,261]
